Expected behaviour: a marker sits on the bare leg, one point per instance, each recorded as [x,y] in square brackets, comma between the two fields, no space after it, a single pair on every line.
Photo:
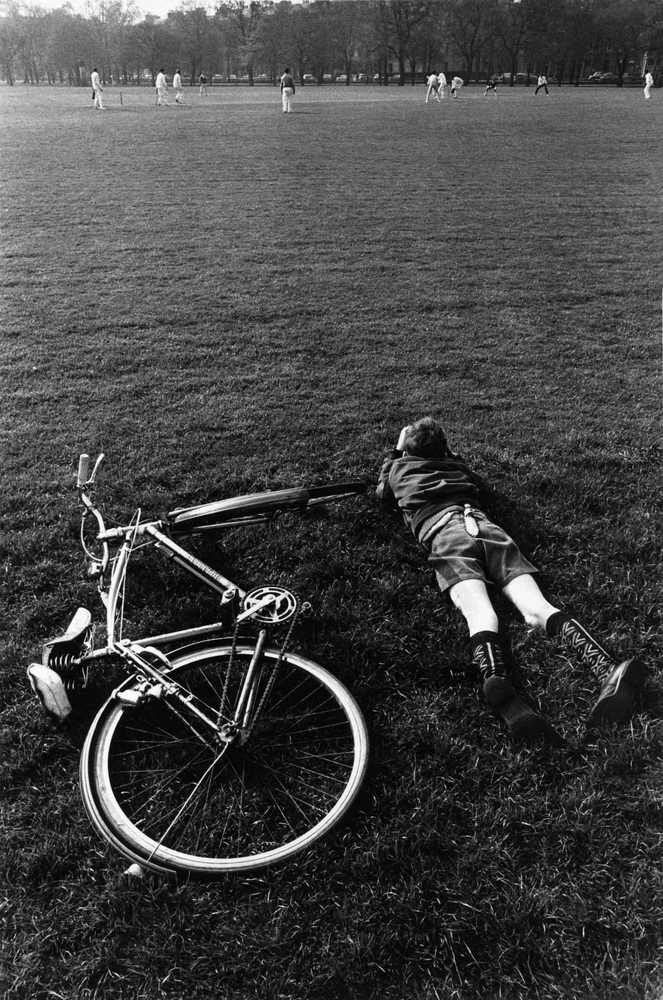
[472,600]
[524,593]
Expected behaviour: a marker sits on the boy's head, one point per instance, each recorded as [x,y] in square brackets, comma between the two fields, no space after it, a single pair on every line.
[425,439]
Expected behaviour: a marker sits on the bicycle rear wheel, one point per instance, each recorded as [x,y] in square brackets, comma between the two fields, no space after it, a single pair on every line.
[171,802]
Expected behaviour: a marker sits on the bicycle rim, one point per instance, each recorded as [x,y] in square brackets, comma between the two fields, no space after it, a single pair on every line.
[172,803]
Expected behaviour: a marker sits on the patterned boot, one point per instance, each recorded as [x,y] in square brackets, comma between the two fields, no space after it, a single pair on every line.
[620,683]
[522,721]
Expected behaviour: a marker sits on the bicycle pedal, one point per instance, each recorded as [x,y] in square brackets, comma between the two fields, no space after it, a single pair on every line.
[131,697]
[50,689]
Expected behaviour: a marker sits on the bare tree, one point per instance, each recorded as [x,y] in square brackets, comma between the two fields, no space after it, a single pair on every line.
[470,24]
[246,14]
[398,20]
[510,33]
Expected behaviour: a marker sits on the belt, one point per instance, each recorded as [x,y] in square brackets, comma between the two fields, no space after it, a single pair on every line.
[435,524]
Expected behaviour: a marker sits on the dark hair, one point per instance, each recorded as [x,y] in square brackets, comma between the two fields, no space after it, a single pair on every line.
[426,439]
[287,70]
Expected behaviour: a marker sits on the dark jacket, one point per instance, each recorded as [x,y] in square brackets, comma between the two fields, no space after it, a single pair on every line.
[421,488]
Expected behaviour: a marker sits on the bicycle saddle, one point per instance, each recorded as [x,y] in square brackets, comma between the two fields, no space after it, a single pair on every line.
[237,510]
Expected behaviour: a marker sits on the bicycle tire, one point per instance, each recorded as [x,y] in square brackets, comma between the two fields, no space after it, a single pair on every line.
[335,491]
[297,775]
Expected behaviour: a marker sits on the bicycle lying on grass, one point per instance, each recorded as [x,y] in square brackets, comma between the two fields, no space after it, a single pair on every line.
[218,752]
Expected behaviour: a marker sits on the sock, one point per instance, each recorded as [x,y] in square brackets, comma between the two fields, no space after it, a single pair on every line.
[573,634]
[488,657]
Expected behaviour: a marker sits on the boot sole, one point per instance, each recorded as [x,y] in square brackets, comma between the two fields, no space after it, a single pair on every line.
[526,725]
[621,689]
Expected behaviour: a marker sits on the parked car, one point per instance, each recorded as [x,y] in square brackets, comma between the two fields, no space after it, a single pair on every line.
[308,78]
[327,78]
[342,78]
[602,78]
[361,78]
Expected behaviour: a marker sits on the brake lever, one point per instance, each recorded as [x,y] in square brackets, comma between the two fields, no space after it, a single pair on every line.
[97,466]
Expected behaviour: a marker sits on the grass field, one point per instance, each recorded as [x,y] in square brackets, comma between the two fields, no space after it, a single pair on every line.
[223,298]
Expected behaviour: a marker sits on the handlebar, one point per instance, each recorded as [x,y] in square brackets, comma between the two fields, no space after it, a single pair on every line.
[84,478]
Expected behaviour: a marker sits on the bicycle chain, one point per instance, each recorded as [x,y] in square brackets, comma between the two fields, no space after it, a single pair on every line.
[272,680]
[231,660]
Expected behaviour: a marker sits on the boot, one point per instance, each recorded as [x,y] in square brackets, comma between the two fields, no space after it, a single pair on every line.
[522,721]
[619,692]
[488,658]
[620,683]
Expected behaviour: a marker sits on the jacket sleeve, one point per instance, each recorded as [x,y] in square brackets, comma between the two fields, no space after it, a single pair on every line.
[383,490]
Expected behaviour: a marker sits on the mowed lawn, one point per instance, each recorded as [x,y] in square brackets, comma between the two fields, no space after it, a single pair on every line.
[224,298]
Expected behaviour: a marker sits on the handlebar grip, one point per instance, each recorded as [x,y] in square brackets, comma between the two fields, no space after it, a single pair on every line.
[83,470]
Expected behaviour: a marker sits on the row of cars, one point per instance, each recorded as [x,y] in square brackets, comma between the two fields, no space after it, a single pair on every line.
[307,78]
[592,78]
[339,78]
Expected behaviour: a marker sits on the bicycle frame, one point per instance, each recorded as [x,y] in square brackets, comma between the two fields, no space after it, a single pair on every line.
[147,657]
[152,681]
[163,543]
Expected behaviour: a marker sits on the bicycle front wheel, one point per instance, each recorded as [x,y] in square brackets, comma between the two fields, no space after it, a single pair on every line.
[173,802]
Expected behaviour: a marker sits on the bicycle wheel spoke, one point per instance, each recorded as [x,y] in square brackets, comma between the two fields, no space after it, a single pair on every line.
[272,789]
[154,790]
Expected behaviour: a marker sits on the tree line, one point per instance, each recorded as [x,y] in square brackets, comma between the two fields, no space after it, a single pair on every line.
[382,41]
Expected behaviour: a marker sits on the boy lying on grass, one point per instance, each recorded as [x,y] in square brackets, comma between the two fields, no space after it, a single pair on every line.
[441,501]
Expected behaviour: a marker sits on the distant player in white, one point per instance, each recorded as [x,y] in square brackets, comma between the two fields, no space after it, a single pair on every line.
[542,81]
[456,84]
[97,88]
[649,83]
[287,90]
[432,83]
[203,85]
[441,85]
[177,87]
[162,88]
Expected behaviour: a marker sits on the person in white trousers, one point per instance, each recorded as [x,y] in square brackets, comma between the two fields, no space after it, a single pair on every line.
[441,85]
[287,90]
[649,83]
[432,84]
[456,84]
[177,87]
[161,88]
[98,89]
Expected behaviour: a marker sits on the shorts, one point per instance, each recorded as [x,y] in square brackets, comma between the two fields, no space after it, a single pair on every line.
[492,557]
